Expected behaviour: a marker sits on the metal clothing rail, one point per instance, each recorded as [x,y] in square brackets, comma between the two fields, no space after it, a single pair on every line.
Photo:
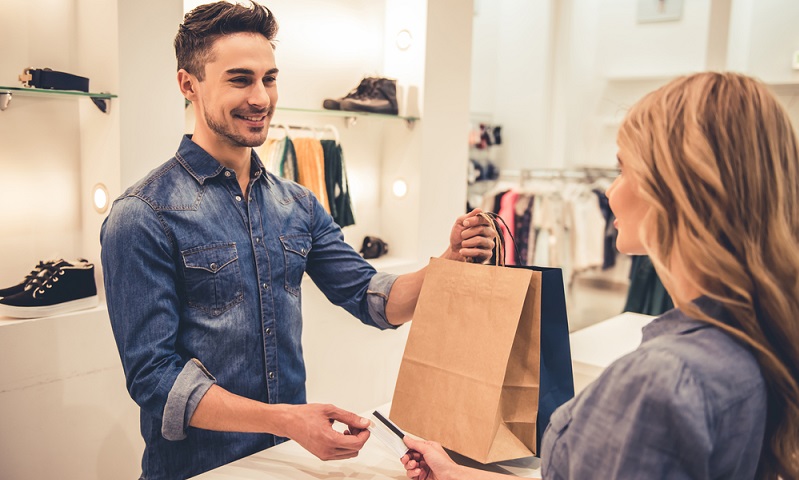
[317,131]
[576,173]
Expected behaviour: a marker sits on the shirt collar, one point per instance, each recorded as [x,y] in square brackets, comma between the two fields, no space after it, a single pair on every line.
[676,322]
[202,166]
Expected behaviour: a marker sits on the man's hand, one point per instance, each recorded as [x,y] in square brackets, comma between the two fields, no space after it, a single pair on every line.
[312,427]
[472,237]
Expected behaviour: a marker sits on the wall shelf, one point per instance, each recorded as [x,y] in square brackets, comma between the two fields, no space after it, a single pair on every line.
[351,117]
[649,78]
[100,99]
[784,88]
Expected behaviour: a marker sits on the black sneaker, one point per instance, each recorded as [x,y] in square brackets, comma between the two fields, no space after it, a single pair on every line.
[363,90]
[65,287]
[39,269]
[43,269]
[381,99]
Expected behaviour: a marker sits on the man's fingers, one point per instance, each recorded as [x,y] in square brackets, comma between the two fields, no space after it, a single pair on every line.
[347,418]
[351,442]
[478,242]
[468,220]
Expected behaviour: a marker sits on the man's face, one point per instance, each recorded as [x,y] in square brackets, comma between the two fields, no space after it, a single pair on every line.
[238,96]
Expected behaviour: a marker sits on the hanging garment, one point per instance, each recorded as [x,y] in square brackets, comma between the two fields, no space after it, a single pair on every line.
[588,229]
[524,218]
[610,231]
[311,168]
[278,157]
[647,294]
[338,190]
[508,213]
[288,160]
[270,153]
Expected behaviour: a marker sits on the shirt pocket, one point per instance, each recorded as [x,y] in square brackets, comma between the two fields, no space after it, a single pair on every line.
[295,252]
[213,279]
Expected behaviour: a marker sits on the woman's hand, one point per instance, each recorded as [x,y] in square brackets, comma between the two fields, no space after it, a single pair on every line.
[428,461]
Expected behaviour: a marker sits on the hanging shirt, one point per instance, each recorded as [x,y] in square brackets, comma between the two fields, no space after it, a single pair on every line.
[311,168]
[508,213]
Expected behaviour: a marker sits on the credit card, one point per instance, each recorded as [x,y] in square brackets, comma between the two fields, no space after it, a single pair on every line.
[388,433]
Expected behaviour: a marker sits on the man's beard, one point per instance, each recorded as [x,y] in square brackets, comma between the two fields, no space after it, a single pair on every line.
[236,139]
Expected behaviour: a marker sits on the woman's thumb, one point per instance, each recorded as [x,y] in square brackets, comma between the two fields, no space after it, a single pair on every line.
[416,444]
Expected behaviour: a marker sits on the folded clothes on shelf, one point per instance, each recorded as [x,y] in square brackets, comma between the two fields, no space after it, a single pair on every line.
[53,287]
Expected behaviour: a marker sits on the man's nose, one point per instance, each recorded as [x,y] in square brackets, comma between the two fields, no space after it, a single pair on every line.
[260,96]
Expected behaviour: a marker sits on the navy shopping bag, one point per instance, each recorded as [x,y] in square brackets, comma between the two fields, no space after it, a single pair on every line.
[556,376]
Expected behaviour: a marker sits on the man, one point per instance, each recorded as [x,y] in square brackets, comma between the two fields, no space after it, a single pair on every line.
[203,261]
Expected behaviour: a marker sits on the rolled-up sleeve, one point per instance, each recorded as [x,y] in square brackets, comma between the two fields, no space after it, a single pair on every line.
[377,297]
[192,383]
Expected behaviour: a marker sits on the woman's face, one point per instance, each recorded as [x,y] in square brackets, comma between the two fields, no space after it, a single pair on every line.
[629,208]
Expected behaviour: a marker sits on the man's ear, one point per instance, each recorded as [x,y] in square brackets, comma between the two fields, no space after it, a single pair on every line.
[188,84]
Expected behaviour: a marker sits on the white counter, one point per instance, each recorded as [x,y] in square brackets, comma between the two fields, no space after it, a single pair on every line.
[289,461]
[593,349]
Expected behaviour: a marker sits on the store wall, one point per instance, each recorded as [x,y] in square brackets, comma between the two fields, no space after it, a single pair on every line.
[149,99]
[603,60]
[511,72]
[40,142]
[765,36]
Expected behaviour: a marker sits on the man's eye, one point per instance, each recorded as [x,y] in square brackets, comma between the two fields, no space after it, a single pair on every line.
[269,80]
[240,80]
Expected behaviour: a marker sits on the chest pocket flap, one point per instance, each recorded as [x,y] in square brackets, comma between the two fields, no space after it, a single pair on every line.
[213,280]
[295,252]
[211,258]
[299,244]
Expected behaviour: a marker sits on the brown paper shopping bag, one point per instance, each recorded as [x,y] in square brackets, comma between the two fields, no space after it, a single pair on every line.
[469,377]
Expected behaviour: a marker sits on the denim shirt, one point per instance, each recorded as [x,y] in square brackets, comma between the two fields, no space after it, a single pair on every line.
[203,287]
[689,403]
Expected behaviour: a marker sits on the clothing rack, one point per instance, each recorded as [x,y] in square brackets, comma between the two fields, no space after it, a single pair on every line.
[576,173]
[317,131]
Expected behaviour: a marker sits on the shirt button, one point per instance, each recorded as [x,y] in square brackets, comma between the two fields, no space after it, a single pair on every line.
[227,173]
[265,285]
[269,331]
[257,172]
[302,251]
[213,267]
[257,239]
[238,198]
[271,374]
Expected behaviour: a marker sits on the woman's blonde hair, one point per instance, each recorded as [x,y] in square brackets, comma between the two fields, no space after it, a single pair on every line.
[715,155]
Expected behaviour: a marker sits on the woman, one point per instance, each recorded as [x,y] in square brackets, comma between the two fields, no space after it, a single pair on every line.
[709,189]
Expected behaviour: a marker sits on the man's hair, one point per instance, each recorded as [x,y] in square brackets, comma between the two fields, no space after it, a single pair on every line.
[202,26]
[717,159]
